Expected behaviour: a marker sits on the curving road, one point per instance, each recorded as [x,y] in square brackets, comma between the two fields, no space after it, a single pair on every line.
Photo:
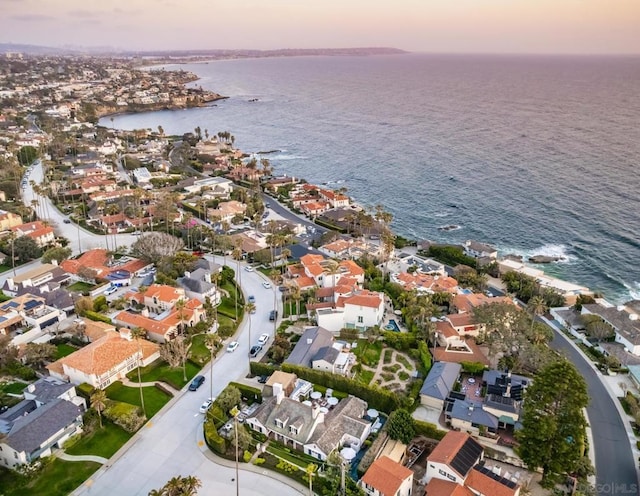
[616,470]
[80,239]
[168,445]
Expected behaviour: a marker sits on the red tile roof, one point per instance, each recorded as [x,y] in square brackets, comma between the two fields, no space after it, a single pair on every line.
[483,484]
[440,487]
[386,476]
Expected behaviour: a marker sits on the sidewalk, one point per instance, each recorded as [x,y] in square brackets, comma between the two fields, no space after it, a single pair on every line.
[129,383]
[79,458]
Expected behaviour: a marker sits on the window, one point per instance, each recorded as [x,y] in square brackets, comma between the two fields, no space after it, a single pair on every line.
[293,430]
[360,319]
[279,423]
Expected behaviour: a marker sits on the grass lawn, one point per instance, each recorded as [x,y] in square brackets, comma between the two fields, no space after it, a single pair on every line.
[154,399]
[199,352]
[102,442]
[4,268]
[63,350]
[12,387]
[368,353]
[365,376]
[160,371]
[58,478]
[80,286]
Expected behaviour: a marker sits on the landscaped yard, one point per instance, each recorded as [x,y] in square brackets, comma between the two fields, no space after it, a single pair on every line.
[12,387]
[199,352]
[160,371]
[58,478]
[80,287]
[63,350]
[365,376]
[368,353]
[154,399]
[102,442]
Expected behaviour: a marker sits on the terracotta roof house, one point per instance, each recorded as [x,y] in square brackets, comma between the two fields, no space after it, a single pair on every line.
[104,361]
[467,302]
[360,310]
[387,478]
[9,220]
[100,261]
[33,309]
[41,234]
[454,457]
[440,487]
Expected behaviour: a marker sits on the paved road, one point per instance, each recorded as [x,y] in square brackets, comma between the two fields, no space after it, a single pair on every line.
[615,466]
[168,445]
[80,239]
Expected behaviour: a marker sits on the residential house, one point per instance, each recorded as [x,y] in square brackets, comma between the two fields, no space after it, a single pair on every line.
[480,250]
[307,428]
[198,283]
[454,457]
[9,220]
[426,283]
[318,349]
[358,310]
[466,302]
[106,267]
[385,477]
[276,183]
[439,383]
[50,413]
[286,380]
[104,361]
[624,321]
[45,274]
[226,211]
[41,234]
[450,346]
[33,310]
[219,186]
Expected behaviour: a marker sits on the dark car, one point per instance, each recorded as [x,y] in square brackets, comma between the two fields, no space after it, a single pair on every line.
[263,379]
[255,350]
[196,383]
[66,221]
[273,315]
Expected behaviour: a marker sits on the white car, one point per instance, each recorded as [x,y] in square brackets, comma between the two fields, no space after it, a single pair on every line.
[111,290]
[262,340]
[233,345]
[248,268]
[204,408]
[266,284]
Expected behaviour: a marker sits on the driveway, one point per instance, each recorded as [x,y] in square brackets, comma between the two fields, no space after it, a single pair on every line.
[616,470]
[167,446]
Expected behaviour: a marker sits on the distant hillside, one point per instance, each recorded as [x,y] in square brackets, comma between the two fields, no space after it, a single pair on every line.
[195,54]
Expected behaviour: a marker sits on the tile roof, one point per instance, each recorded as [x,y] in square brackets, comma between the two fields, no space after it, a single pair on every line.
[441,487]
[483,481]
[440,380]
[458,450]
[386,476]
[363,299]
[310,343]
[159,328]
[345,418]
[106,353]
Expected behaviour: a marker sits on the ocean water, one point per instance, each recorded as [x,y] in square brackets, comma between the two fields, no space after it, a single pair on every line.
[536,155]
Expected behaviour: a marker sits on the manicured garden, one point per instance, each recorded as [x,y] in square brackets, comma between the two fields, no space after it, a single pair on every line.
[56,478]
[80,287]
[63,350]
[12,387]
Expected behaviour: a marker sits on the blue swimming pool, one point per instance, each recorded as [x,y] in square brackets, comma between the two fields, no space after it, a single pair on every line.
[392,326]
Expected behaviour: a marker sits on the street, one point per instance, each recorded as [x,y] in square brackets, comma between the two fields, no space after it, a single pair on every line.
[616,471]
[168,446]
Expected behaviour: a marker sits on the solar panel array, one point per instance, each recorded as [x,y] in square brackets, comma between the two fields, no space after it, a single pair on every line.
[466,457]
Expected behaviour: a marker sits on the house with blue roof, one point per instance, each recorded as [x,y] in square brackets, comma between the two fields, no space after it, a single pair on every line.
[439,383]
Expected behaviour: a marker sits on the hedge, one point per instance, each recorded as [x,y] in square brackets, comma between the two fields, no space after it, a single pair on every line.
[85,390]
[428,430]
[473,367]
[214,440]
[248,392]
[258,368]
[97,317]
[400,340]
[330,226]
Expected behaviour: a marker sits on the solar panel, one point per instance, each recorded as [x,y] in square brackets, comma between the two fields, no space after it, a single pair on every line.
[490,473]
[466,457]
[31,304]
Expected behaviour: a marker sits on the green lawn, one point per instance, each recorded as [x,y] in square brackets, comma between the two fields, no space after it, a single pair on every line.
[57,478]
[102,442]
[154,399]
[4,268]
[365,376]
[12,387]
[64,350]
[80,286]
[160,371]
[199,352]
[368,353]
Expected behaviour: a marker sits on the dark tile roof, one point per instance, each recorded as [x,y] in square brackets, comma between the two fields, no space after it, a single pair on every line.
[31,431]
[15,412]
[312,341]
[48,389]
[440,380]
[466,456]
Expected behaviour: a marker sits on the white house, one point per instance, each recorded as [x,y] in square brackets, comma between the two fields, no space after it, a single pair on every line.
[624,321]
[453,458]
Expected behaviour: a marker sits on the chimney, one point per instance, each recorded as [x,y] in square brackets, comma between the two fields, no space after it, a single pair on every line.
[507,393]
[31,388]
[145,312]
[309,341]
[187,274]
[278,392]
[315,409]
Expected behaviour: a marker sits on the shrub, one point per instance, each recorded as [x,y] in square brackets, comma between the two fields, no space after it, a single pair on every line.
[217,416]
[125,415]
[428,430]
[259,461]
[246,456]
[249,393]
[85,390]
[97,317]
[473,367]
[216,442]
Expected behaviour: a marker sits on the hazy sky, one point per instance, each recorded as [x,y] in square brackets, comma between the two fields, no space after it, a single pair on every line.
[523,26]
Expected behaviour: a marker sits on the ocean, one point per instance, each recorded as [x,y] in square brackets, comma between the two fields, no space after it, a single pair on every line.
[533,154]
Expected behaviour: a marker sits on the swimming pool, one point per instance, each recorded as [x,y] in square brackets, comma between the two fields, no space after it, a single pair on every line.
[392,326]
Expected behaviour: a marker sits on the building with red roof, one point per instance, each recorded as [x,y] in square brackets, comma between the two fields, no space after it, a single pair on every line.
[387,478]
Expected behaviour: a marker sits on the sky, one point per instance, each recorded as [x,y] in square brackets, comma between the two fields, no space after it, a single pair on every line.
[438,26]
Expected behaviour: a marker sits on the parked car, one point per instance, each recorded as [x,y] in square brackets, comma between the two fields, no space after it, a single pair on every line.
[255,349]
[67,221]
[233,345]
[266,284]
[248,268]
[251,299]
[206,405]
[263,379]
[196,383]
[273,315]
[262,340]
[110,290]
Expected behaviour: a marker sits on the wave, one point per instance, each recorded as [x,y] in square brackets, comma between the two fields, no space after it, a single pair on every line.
[549,250]
[450,227]
[442,214]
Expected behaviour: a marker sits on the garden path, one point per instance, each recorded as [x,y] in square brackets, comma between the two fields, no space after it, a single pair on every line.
[129,383]
[394,383]
[79,458]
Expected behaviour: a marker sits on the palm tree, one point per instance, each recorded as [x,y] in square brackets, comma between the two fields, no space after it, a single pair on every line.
[311,471]
[180,306]
[139,333]
[537,306]
[296,296]
[99,403]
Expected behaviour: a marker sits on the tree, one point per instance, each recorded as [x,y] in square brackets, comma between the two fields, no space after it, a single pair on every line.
[58,254]
[38,354]
[153,246]
[99,403]
[537,306]
[83,304]
[139,333]
[401,427]
[229,398]
[26,249]
[179,486]
[553,425]
[176,352]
